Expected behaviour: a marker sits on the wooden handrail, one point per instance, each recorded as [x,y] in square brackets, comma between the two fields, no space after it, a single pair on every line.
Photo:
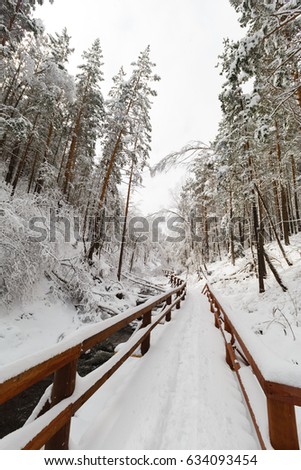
[281,398]
[52,427]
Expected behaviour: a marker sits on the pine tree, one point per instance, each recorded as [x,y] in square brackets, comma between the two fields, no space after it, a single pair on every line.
[88,117]
[128,127]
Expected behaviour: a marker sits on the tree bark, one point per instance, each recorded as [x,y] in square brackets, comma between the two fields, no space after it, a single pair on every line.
[125,222]
[13,162]
[41,179]
[274,271]
[11,21]
[232,248]
[295,193]
[24,156]
[284,211]
[35,161]
[71,155]
[273,226]
[95,241]
[258,235]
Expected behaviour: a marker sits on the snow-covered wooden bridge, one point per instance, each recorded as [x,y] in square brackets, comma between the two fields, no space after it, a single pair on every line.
[181,395]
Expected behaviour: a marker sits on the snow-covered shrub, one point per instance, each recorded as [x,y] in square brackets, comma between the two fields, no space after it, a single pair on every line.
[23,256]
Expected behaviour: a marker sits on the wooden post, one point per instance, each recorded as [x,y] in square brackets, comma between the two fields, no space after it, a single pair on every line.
[63,387]
[230,356]
[178,304]
[216,318]
[282,425]
[228,329]
[168,315]
[184,291]
[147,319]
[226,325]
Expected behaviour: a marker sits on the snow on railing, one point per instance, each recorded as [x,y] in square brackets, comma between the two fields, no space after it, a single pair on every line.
[69,392]
[281,398]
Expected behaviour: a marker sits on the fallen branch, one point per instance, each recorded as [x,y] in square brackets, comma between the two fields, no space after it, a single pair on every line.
[143,282]
[274,271]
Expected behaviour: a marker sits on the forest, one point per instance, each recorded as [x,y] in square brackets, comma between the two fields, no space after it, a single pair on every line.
[74,246]
[67,150]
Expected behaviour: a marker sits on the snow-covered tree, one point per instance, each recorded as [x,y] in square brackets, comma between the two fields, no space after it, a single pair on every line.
[128,129]
[88,119]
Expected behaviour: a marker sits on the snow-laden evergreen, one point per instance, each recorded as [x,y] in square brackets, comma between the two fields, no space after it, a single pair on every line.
[69,256]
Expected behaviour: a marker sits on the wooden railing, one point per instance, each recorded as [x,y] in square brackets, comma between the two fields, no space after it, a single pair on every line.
[69,392]
[281,399]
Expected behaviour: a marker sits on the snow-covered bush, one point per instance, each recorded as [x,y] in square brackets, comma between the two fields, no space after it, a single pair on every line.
[40,238]
[24,256]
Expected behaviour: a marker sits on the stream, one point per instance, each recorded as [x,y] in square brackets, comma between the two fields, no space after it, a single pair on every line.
[15,412]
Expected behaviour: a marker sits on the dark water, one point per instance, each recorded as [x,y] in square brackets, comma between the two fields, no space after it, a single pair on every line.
[16,411]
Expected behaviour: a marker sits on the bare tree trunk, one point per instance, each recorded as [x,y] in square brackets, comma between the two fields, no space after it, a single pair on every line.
[275,272]
[12,82]
[258,235]
[63,158]
[277,206]
[206,252]
[259,244]
[41,178]
[217,243]
[125,222]
[95,243]
[232,248]
[24,156]
[295,193]
[261,237]
[13,162]
[285,216]
[71,156]
[35,161]
[11,21]
[292,220]
[298,92]
[273,226]
[285,221]
[133,257]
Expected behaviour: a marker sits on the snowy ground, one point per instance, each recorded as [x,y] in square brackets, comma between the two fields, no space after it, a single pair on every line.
[270,323]
[181,395]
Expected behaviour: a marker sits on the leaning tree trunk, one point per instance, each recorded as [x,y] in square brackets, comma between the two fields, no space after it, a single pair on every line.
[33,170]
[13,162]
[11,22]
[259,245]
[96,240]
[71,155]
[275,272]
[298,90]
[24,156]
[273,226]
[258,234]
[295,193]
[232,247]
[125,222]
[41,178]
[284,211]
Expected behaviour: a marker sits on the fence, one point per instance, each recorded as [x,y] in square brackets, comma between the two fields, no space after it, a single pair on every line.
[52,426]
[281,399]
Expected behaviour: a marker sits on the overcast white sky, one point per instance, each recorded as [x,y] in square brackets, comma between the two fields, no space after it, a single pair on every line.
[186,37]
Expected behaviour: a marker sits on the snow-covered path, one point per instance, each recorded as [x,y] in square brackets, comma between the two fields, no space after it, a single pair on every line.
[181,395]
